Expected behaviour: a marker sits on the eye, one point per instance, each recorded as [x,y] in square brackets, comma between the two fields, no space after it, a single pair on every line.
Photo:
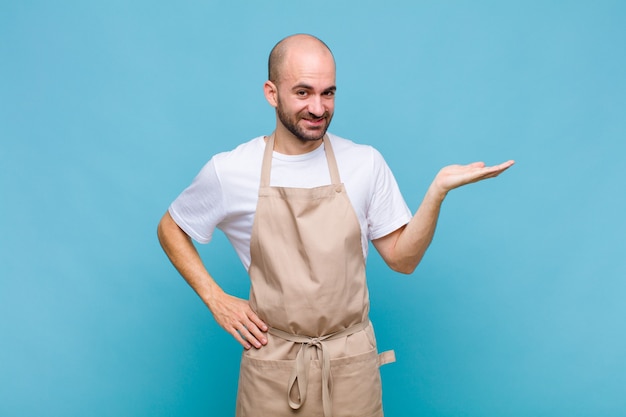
[329,93]
[301,93]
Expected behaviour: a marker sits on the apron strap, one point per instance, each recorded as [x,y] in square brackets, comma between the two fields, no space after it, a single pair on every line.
[332,162]
[300,375]
[267,161]
[388,356]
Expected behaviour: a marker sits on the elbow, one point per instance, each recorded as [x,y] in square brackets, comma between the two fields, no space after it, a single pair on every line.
[169,233]
[405,268]
[160,232]
[402,263]
[405,271]
[165,229]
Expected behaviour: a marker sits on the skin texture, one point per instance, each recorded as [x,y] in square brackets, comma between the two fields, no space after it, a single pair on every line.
[302,90]
[303,95]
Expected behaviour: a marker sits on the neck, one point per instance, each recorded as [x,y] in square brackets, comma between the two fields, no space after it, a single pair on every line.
[288,144]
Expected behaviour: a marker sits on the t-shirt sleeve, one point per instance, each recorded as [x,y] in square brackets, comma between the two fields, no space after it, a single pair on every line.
[200,207]
[388,211]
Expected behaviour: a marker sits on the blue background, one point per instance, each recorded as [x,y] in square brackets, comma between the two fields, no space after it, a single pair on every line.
[108,110]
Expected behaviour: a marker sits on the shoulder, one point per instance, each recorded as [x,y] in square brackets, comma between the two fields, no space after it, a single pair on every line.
[238,171]
[342,144]
[353,153]
[244,157]
[225,167]
[247,150]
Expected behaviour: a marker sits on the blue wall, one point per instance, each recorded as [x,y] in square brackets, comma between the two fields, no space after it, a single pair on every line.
[108,109]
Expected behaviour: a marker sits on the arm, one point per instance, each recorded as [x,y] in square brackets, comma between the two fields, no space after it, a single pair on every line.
[233,314]
[404,248]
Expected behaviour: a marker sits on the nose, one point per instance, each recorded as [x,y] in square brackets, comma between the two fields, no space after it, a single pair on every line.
[316,106]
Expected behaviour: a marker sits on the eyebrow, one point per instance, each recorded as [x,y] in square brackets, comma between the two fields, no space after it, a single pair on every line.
[308,87]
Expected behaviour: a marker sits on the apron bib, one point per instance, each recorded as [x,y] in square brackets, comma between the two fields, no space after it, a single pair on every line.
[308,284]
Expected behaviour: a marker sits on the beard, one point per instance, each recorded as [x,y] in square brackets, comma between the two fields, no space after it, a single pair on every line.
[291,122]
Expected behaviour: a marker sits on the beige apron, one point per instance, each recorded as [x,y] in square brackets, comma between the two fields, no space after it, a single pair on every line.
[307,276]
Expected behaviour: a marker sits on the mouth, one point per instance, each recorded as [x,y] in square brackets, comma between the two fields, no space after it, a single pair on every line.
[315,122]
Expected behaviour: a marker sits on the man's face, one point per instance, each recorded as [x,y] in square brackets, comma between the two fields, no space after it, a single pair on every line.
[306,95]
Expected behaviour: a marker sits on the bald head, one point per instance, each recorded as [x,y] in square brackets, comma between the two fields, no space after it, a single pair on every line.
[286,47]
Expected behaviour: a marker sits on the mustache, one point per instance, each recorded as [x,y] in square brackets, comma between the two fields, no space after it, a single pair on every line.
[312,116]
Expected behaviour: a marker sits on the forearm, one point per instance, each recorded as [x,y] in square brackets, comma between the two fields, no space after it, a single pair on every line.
[232,313]
[415,238]
[403,249]
[185,258]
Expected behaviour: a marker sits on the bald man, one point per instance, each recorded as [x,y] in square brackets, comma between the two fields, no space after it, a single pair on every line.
[300,207]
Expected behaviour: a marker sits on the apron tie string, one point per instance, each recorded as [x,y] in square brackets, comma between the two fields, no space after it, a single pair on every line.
[300,374]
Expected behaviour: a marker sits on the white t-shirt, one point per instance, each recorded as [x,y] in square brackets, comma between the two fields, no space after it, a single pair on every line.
[224,194]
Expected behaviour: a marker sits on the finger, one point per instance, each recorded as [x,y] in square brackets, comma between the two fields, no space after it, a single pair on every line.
[257,321]
[498,169]
[239,338]
[257,327]
[258,334]
[247,333]
[486,173]
[505,165]
[501,169]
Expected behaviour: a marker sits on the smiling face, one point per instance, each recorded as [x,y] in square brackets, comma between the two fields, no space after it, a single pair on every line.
[303,91]
[307,118]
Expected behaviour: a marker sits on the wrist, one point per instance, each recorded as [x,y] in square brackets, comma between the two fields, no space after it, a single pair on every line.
[436,192]
[213,297]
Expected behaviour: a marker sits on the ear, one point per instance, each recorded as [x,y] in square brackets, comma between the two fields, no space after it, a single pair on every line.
[271,92]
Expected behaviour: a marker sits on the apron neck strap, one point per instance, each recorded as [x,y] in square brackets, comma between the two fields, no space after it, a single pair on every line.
[267,161]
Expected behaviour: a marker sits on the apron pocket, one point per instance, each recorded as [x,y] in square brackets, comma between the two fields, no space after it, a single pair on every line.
[356,391]
[262,390]
[356,386]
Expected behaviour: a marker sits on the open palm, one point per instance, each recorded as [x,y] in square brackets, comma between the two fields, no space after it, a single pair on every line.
[453,176]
